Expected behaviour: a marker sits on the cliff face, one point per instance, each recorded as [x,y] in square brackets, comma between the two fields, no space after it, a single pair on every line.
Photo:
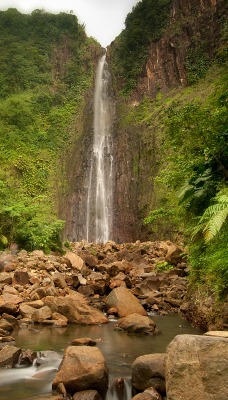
[187,45]
[193,31]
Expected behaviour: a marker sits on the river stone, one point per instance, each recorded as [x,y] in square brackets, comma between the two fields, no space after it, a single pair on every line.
[82,368]
[87,395]
[135,323]
[125,302]
[75,309]
[9,356]
[149,370]
[197,368]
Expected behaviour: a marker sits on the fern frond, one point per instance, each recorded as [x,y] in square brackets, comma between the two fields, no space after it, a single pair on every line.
[214,224]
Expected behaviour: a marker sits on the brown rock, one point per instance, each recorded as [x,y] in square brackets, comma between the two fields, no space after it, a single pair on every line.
[75,309]
[59,280]
[9,356]
[41,314]
[197,368]
[9,308]
[135,323]
[26,310]
[21,278]
[82,368]
[5,278]
[87,395]
[149,370]
[125,302]
[76,262]
[84,342]
[6,326]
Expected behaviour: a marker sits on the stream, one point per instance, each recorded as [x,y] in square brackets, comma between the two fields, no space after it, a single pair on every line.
[118,348]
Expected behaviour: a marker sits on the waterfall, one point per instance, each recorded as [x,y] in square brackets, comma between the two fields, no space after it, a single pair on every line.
[99,195]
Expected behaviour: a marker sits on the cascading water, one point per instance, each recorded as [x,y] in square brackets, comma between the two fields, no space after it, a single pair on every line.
[100,196]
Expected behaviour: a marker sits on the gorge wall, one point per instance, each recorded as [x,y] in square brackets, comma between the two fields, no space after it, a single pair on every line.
[188,42]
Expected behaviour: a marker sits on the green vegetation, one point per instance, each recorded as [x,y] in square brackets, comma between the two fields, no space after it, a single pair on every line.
[145,23]
[189,171]
[46,68]
[182,134]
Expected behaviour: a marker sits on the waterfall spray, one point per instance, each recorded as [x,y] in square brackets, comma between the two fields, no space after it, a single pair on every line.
[100,196]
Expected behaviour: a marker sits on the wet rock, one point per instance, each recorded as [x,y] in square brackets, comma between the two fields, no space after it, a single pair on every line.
[87,395]
[197,368]
[9,356]
[27,358]
[139,324]
[82,368]
[149,370]
[125,302]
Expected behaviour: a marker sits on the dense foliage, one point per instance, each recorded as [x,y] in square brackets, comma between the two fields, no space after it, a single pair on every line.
[46,66]
[144,24]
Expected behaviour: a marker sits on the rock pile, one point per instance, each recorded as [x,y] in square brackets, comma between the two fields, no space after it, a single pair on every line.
[89,283]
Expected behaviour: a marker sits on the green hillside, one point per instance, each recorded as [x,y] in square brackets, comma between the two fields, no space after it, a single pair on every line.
[46,68]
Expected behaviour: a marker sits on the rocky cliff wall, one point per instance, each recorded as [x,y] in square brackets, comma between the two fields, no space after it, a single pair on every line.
[194,27]
[191,37]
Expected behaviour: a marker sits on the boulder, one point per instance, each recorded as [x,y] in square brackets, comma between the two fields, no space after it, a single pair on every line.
[6,326]
[75,261]
[148,394]
[9,356]
[26,310]
[21,278]
[82,368]
[41,314]
[135,323]
[5,278]
[59,280]
[197,368]
[149,370]
[75,309]
[8,308]
[125,302]
[87,395]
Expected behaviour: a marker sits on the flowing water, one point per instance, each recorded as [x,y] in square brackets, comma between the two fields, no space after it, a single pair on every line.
[99,197]
[118,348]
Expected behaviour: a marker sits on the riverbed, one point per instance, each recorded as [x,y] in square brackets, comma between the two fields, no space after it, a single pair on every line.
[118,348]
